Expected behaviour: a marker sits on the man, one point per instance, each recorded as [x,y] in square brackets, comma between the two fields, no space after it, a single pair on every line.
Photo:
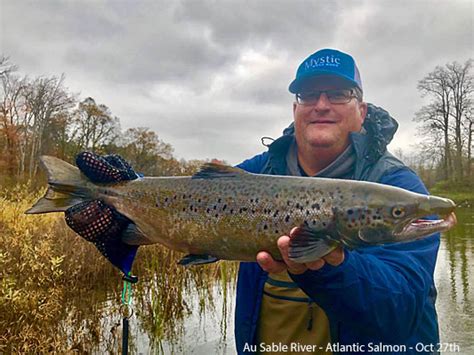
[375,299]
[367,297]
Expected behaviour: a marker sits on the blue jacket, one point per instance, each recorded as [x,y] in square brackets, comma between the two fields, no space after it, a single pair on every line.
[380,294]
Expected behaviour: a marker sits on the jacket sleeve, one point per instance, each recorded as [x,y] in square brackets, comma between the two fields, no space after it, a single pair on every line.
[380,291]
[254,164]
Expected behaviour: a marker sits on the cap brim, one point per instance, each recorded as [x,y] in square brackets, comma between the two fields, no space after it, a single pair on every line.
[298,83]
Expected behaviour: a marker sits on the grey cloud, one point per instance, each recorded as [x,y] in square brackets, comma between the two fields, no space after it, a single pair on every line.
[120,42]
[174,66]
[287,25]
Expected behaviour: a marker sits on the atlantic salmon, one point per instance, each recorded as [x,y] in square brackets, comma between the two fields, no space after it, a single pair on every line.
[223,212]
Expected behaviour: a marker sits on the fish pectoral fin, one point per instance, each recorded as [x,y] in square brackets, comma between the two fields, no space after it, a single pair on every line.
[215,171]
[194,259]
[307,245]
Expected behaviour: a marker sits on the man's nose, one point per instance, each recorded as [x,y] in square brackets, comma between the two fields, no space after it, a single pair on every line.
[322,103]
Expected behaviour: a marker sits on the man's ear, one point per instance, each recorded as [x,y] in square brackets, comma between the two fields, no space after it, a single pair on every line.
[363,110]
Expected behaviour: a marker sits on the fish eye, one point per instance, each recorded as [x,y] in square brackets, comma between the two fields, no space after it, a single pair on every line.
[398,212]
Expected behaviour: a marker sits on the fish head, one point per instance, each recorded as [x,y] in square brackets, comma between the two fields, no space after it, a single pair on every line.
[395,216]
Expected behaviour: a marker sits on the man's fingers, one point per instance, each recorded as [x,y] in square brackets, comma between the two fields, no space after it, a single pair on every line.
[316,265]
[268,264]
[336,257]
[283,245]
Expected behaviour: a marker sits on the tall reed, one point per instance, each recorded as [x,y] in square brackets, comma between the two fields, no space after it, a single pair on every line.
[57,294]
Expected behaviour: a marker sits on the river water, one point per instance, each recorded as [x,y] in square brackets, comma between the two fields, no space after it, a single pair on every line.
[454,277]
[206,324]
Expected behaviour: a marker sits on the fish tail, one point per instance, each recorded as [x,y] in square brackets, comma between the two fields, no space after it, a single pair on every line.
[67,187]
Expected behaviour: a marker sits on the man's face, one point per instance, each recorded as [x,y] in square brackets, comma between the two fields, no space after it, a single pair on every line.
[326,125]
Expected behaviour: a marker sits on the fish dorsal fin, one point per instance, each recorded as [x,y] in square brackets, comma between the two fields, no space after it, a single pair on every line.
[215,171]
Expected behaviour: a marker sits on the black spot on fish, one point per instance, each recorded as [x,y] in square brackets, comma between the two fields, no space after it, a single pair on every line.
[189,196]
[323,200]
[184,196]
[251,200]
[174,197]
[219,200]
[265,227]
[166,199]
[231,211]
[215,207]
[208,210]
[276,195]
[288,203]
[297,205]
[314,222]
[256,200]
[315,206]
[276,213]
[217,215]
[276,231]
[287,218]
[184,209]
[324,224]
[199,200]
[349,212]
[307,212]
[224,207]
[306,223]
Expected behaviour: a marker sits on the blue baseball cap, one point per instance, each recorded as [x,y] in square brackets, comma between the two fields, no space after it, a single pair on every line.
[326,62]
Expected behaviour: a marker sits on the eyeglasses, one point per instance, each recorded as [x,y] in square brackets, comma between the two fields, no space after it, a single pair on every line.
[338,96]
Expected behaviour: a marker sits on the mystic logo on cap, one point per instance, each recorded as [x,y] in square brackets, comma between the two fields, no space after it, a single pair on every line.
[329,61]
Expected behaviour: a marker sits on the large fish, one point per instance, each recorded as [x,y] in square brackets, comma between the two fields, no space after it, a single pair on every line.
[226,213]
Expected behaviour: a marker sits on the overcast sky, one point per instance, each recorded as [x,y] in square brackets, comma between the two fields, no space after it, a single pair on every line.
[211,77]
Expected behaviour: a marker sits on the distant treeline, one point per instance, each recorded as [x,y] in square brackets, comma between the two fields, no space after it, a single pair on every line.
[40,116]
[447,124]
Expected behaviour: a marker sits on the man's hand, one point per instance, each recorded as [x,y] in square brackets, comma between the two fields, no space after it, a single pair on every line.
[267,263]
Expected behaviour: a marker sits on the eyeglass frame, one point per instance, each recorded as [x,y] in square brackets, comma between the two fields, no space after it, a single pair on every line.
[354,93]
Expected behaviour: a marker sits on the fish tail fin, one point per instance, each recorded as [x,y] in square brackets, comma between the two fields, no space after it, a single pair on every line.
[66,187]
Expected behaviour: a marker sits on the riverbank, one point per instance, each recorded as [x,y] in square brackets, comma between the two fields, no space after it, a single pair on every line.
[460,192]
[58,295]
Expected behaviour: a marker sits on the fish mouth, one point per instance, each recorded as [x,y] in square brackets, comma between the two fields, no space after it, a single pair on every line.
[420,227]
[423,227]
